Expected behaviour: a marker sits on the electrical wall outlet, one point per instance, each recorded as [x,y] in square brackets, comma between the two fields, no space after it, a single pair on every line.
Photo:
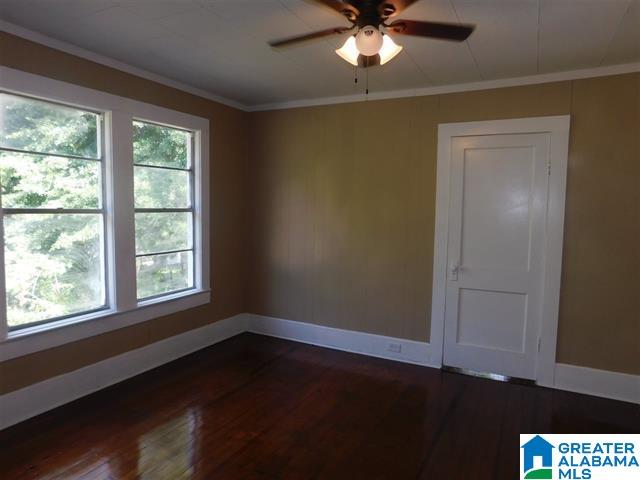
[394,347]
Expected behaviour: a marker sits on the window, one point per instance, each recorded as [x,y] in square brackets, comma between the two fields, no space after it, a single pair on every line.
[103,212]
[164,209]
[52,208]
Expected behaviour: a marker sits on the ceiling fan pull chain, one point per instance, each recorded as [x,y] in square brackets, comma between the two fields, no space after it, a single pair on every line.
[366,91]
[355,70]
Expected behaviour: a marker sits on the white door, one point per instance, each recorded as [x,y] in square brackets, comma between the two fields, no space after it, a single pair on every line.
[497,216]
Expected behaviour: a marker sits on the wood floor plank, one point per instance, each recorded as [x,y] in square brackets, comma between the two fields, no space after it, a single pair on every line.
[255,407]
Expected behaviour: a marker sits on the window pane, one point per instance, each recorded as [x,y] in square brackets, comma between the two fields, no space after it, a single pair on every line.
[163,232]
[165,273]
[164,146]
[37,181]
[158,188]
[53,265]
[27,124]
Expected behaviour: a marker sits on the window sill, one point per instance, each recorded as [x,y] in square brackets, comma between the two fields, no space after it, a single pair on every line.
[41,337]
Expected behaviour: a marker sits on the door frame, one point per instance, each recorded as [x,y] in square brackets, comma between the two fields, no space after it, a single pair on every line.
[558,129]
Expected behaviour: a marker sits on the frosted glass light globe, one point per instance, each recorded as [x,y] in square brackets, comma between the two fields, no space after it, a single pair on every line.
[369,41]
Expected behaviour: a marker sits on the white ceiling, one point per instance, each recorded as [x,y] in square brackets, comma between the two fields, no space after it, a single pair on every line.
[220,45]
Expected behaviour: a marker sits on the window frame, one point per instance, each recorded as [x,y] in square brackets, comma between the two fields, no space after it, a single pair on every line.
[123,307]
[63,211]
[190,209]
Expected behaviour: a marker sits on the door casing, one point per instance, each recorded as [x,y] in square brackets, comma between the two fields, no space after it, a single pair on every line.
[558,129]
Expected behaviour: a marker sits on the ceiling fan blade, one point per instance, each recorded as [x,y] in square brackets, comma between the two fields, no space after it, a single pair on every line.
[391,8]
[343,8]
[309,36]
[445,31]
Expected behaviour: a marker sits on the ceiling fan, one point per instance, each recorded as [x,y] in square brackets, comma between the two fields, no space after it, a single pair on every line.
[372,21]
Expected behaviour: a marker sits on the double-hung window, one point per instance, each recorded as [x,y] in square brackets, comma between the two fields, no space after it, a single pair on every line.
[162,159]
[51,170]
[103,212]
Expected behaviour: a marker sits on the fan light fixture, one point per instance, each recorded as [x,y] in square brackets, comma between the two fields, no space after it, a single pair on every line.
[369,44]
[389,49]
[369,40]
[376,24]
[349,51]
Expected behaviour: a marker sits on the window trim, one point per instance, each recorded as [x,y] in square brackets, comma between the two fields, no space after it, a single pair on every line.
[123,309]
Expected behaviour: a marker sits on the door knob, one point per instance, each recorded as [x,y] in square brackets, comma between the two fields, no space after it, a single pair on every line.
[453,270]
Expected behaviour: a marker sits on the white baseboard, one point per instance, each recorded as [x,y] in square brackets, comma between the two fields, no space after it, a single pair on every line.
[38,398]
[411,351]
[35,399]
[601,383]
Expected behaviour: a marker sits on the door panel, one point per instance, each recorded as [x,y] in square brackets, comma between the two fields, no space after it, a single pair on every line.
[497,187]
[497,213]
[493,320]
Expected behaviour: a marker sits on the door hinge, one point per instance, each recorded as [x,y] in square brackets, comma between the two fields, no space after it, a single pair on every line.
[539,344]
[549,168]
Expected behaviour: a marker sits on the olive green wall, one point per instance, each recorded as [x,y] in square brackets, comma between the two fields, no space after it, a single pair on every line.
[343,212]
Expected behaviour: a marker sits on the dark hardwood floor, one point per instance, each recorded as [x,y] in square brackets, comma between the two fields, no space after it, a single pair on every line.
[255,407]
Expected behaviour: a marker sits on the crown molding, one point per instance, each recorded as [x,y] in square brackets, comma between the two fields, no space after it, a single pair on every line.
[455,88]
[312,102]
[47,41]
